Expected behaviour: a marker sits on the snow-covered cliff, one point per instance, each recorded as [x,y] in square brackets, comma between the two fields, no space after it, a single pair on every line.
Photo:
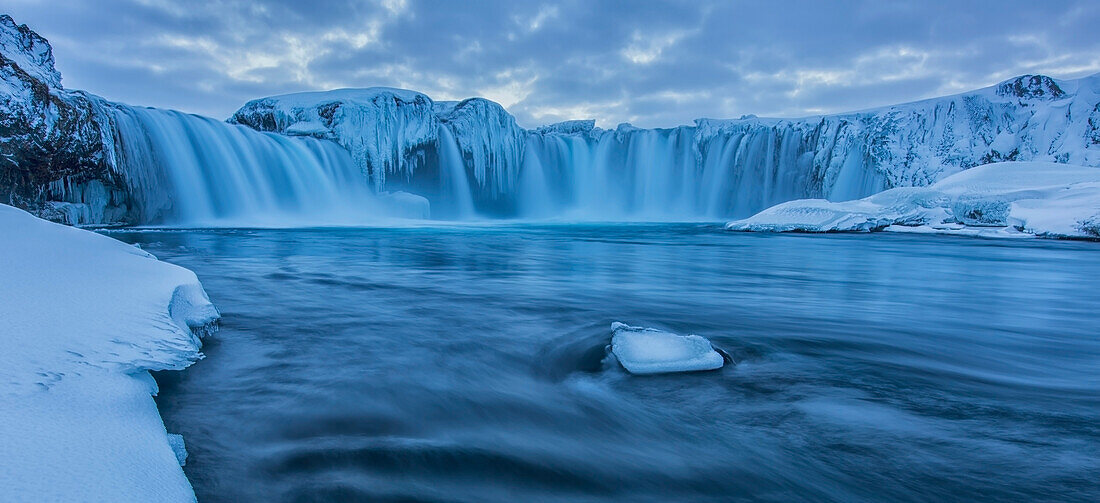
[74,157]
[490,142]
[55,144]
[714,168]
[392,134]
[384,129]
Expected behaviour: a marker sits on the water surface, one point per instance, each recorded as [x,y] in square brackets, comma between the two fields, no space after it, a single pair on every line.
[466,364]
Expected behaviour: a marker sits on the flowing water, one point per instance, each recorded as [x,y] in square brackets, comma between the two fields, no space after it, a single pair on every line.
[192,170]
[467,364]
[187,170]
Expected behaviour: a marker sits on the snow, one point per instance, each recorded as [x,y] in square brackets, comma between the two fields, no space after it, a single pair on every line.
[85,317]
[490,141]
[29,51]
[716,168]
[381,127]
[573,127]
[651,351]
[712,169]
[1000,199]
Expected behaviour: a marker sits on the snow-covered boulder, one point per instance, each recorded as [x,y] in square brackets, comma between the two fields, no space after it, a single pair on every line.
[83,318]
[406,205]
[651,351]
[1043,199]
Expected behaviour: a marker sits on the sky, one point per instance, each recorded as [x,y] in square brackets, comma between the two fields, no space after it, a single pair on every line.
[649,63]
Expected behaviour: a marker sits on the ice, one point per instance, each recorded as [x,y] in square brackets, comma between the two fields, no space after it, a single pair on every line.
[490,141]
[84,318]
[406,205]
[712,169]
[651,351]
[119,164]
[1000,199]
[29,51]
[381,127]
[179,448]
[573,127]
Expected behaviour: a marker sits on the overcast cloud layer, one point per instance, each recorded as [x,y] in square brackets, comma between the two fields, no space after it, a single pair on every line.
[654,64]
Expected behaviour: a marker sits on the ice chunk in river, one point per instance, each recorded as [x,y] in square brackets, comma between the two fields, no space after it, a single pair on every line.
[650,351]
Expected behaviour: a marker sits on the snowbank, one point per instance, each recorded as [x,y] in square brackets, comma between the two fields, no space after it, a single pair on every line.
[84,317]
[650,351]
[1000,199]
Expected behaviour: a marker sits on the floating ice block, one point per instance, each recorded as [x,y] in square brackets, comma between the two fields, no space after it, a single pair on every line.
[650,351]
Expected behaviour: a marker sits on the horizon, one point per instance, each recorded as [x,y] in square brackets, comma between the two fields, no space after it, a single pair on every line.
[649,70]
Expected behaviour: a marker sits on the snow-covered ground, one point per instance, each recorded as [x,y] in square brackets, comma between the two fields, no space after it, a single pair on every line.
[83,318]
[1001,199]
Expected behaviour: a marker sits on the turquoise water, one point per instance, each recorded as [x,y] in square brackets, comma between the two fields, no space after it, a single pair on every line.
[466,364]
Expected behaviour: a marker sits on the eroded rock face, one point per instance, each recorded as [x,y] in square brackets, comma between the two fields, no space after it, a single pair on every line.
[55,145]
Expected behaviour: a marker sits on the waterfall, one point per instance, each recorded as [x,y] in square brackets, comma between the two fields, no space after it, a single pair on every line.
[682,174]
[191,170]
[453,179]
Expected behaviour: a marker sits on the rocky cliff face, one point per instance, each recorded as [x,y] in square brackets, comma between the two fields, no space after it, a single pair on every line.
[56,154]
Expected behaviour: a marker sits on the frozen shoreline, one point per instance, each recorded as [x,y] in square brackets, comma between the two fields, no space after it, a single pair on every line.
[85,318]
[1009,199]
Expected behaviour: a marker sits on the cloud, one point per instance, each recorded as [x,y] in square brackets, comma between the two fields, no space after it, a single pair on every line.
[645,49]
[545,13]
[653,63]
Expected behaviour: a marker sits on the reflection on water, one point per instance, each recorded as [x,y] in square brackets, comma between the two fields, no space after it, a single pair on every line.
[465,364]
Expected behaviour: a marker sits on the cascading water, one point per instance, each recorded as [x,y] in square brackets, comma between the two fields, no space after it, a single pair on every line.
[673,174]
[641,176]
[191,170]
[452,173]
[471,158]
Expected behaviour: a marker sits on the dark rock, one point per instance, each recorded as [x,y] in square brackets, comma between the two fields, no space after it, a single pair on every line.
[53,142]
[1031,87]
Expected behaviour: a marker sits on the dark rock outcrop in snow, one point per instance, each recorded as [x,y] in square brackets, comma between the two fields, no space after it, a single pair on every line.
[55,145]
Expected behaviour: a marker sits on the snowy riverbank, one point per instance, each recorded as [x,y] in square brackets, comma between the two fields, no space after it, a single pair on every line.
[1006,199]
[84,318]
